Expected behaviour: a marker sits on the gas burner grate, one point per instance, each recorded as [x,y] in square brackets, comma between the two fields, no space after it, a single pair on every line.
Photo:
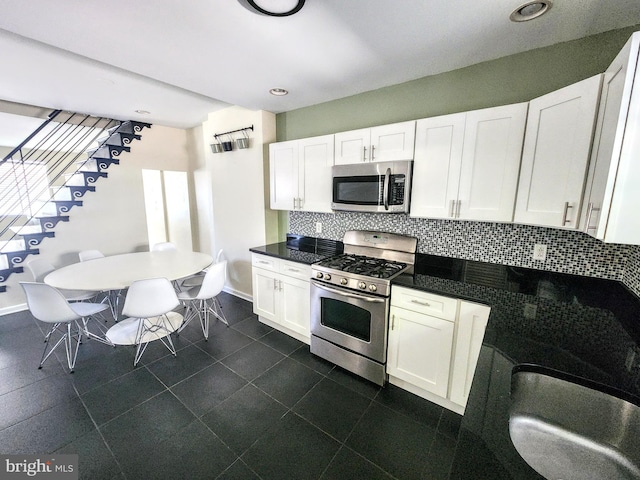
[361,265]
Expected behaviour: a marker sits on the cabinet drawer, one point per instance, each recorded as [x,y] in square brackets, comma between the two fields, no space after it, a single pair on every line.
[425,303]
[264,261]
[296,270]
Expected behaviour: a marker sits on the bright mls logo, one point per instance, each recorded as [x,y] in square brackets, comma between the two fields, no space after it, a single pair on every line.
[54,467]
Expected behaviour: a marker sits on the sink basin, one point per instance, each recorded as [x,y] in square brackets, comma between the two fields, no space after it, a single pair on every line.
[568,431]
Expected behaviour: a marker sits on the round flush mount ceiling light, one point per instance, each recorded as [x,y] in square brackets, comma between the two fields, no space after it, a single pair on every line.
[530,10]
[143,112]
[273,8]
[278,92]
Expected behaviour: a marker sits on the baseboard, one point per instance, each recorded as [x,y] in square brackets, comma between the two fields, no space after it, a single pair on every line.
[13,309]
[238,294]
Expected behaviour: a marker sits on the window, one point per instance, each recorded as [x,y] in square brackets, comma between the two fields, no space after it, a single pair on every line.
[21,185]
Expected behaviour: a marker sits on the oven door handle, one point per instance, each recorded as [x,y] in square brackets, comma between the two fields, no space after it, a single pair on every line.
[385,196]
[348,294]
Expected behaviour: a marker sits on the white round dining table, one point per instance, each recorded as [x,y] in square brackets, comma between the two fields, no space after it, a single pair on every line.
[117,272]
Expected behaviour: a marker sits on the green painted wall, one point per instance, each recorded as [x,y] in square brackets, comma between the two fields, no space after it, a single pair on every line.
[512,79]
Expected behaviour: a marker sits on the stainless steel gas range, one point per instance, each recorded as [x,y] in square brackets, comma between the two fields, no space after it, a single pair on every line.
[350,296]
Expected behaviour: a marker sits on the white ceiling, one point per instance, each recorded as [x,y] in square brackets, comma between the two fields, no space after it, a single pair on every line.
[183,59]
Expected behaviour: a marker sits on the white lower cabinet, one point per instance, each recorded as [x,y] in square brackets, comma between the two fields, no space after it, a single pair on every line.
[281,295]
[420,350]
[434,343]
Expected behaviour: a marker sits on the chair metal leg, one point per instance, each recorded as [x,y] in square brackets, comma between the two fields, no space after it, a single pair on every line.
[216,309]
[51,330]
[101,339]
[163,324]
[50,348]
[203,313]
[67,339]
[191,310]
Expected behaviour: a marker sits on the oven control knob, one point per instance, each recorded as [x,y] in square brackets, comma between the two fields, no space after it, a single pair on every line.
[344,281]
[319,275]
[372,287]
[327,276]
[362,285]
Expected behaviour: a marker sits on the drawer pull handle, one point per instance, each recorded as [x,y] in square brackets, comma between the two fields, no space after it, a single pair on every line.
[424,304]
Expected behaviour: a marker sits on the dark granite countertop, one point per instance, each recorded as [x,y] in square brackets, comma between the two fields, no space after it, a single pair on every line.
[587,329]
[301,249]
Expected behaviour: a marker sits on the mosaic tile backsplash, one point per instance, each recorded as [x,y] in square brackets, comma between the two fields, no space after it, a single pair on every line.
[504,243]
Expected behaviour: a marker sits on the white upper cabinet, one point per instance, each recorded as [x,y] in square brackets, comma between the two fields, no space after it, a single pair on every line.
[611,194]
[377,144]
[436,168]
[300,174]
[283,174]
[556,155]
[315,159]
[466,164]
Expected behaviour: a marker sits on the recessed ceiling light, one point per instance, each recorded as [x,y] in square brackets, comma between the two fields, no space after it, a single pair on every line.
[143,112]
[530,10]
[273,8]
[278,92]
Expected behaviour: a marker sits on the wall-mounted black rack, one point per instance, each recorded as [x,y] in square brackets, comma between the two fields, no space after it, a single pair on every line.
[216,135]
[227,145]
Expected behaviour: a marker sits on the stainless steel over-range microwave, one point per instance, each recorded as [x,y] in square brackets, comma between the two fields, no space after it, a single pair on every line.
[380,187]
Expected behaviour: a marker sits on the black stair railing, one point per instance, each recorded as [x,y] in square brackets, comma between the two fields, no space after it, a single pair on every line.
[34,173]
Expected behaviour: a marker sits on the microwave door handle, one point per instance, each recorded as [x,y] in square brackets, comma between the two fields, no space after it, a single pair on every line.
[387,180]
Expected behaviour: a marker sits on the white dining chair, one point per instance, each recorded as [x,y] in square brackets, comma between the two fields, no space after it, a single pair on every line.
[48,305]
[111,297]
[40,268]
[149,306]
[196,279]
[163,247]
[202,301]
[86,255]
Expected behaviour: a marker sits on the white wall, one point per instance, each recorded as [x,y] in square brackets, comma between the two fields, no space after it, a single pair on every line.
[230,192]
[112,219]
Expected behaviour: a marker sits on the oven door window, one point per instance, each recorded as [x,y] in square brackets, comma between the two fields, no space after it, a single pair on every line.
[346,318]
[360,190]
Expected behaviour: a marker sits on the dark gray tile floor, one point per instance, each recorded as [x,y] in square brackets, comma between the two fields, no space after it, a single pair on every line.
[250,403]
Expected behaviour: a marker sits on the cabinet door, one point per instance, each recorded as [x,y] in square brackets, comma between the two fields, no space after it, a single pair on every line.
[393,142]
[265,293]
[556,154]
[315,159]
[352,146]
[472,322]
[436,169]
[283,174]
[615,99]
[295,305]
[491,162]
[420,350]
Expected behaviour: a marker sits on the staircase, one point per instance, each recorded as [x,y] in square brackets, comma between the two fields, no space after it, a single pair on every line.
[49,173]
